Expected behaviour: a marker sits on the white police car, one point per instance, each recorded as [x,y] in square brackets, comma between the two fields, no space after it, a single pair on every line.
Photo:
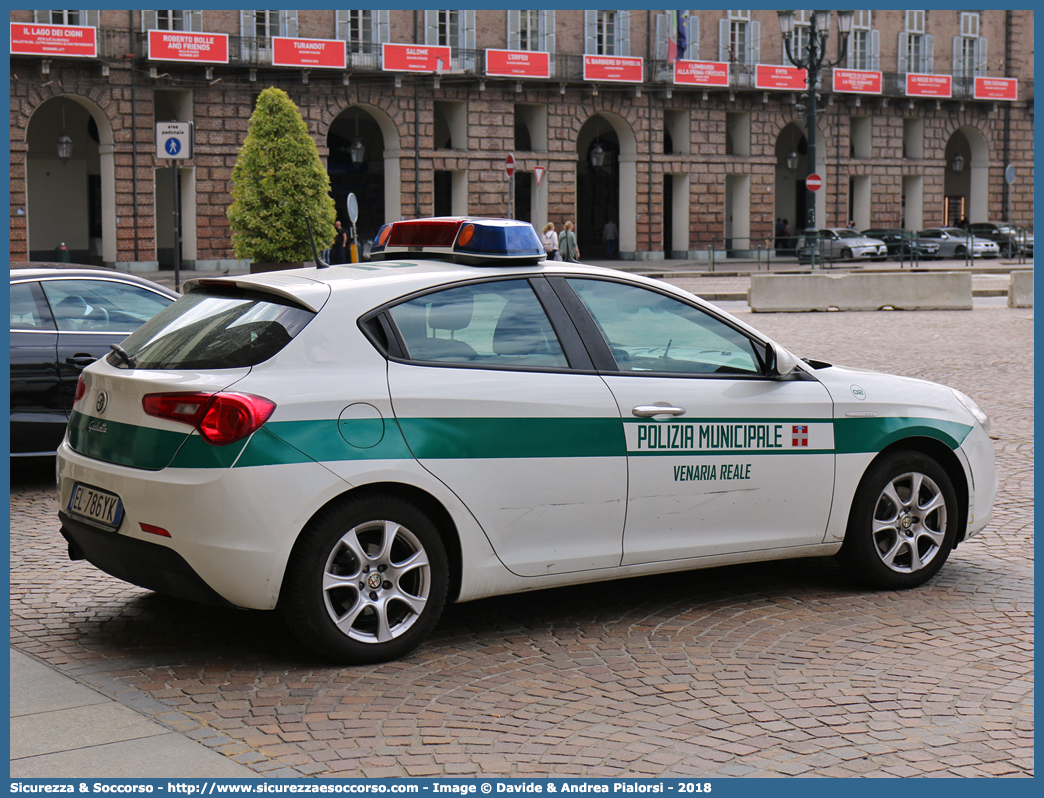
[358,444]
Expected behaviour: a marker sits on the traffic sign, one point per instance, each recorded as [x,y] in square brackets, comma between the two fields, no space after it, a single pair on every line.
[509,165]
[539,171]
[174,140]
[813,182]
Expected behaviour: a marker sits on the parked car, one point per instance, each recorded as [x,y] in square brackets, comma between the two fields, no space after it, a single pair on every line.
[956,243]
[841,243]
[904,244]
[1010,239]
[63,318]
[356,445]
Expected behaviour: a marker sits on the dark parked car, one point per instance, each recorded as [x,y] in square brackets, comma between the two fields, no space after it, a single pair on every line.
[1009,238]
[63,318]
[904,243]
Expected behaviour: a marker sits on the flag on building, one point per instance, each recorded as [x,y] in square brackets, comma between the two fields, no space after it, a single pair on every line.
[677,40]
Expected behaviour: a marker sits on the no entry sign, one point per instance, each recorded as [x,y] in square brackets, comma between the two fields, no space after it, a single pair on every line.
[509,165]
[813,182]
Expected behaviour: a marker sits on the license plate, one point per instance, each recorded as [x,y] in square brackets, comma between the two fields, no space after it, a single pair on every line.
[97,507]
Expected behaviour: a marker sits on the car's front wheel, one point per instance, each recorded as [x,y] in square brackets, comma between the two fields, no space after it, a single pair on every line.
[367,580]
[903,522]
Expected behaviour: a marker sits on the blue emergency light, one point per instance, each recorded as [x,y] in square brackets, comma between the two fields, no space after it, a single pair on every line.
[473,241]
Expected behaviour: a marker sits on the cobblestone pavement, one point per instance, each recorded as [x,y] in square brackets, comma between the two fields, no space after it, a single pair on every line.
[750,670]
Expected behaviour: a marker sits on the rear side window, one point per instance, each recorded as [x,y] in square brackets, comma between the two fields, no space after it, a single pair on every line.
[214,331]
[499,323]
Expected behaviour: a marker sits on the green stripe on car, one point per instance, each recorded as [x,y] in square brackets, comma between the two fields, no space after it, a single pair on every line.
[325,440]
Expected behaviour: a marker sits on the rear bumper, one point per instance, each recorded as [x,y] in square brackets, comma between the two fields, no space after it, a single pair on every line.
[139,562]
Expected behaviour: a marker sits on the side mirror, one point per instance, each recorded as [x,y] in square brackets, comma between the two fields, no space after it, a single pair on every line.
[783,362]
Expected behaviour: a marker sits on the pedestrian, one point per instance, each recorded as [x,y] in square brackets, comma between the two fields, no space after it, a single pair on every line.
[778,243]
[609,237]
[787,245]
[851,224]
[567,243]
[339,243]
[550,241]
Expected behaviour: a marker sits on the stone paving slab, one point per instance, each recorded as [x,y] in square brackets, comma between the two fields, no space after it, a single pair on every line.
[756,670]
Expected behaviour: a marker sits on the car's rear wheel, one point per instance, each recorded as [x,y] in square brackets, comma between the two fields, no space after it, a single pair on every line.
[959,252]
[903,522]
[367,581]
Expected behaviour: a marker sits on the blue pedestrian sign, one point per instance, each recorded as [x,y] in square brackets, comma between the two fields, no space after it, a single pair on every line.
[174,140]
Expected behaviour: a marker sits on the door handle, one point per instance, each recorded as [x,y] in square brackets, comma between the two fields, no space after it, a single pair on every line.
[80,361]
[648,411]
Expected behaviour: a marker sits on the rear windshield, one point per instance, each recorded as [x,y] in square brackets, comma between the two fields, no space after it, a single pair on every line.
[213,330]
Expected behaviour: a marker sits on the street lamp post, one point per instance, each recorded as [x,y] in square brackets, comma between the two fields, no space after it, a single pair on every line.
[812,61]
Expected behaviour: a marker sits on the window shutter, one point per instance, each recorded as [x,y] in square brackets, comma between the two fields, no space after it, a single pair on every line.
[468,39]
[623,33]
[89,18]
[514,22]
[904,44]
[246,24]
[928,59]
[148,20]
[692,52]
[194,21]
[875,50]
[981,63]
[431,26]
[382,27]
[341,27]
[41,17]
[661,37]
[547,28]
[288,23]
[590,35]
[958,62]
[723,40]
[754,42]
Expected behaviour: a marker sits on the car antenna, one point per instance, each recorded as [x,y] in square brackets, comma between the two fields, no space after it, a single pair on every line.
[319,263]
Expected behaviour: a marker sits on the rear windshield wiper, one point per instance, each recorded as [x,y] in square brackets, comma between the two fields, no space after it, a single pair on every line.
[123,355]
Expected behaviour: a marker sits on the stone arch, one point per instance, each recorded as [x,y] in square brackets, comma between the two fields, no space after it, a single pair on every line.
[618,175]
[86,181]
[377,132]
[791,196]
[972,182]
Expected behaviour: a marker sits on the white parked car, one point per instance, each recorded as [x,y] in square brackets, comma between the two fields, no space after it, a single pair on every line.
[955,243]
[841,243]
[358,444]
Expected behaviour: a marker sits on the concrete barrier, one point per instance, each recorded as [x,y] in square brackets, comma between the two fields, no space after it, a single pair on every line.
[775,293]
[1020,290]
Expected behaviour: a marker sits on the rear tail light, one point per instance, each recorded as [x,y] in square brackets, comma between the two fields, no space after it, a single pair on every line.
[219,417]
[81,389]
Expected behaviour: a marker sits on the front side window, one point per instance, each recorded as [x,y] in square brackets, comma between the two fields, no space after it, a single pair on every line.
[499,324]
[101,305]
[647,331]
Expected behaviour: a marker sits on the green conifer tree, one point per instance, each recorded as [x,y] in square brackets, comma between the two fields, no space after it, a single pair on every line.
[277,181]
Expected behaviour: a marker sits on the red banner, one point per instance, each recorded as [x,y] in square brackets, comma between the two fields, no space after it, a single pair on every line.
[996,89]
[929,85]
[855,81]
[518,64]
[327,53]
[415,58]
[70,40]
[199,48]
[780,77]
[613,68]
[701,73]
